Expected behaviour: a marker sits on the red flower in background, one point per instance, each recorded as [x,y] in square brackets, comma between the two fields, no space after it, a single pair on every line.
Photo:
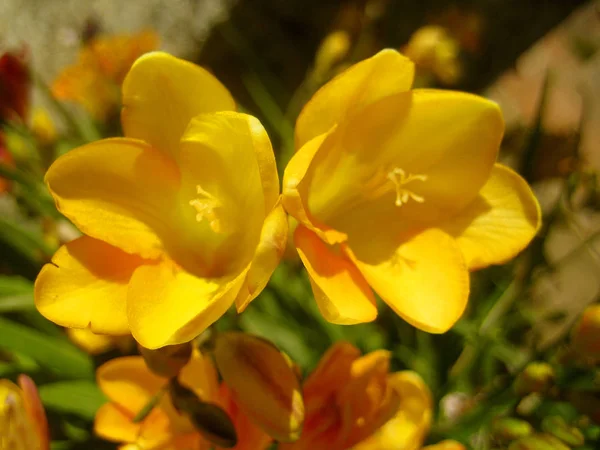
[15,82]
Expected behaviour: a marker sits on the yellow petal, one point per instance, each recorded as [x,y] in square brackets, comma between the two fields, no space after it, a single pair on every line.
[407,429]
[386,73]
[95,344]
[222,203]
[168,306]
[499,223]
[341,292]
[273,240]
[114,424]
[85,285]
[162,93]
[118,190]
[422,277]
[128,383]
[413,158]
[296,189]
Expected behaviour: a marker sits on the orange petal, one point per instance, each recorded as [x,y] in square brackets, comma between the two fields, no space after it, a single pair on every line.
[386,73]
[162,93]
[422,277]
[85,285]
[499,223]
[117,190]
[341,292]
[167,305]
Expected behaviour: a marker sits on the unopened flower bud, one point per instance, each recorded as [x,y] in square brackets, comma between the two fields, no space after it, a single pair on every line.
[539,441]
[585,336]
[507,429]
[538,377]
[263,381]
[210,420]
[167,361]
[558,427]
[332,50]
[23,424]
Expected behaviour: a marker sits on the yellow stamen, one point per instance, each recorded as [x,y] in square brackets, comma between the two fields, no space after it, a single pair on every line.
[206,206]
[400,179]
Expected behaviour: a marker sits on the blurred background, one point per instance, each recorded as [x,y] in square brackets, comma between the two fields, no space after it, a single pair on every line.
[538,59]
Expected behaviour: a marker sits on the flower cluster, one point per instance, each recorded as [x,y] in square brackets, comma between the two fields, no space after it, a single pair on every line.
[394,191]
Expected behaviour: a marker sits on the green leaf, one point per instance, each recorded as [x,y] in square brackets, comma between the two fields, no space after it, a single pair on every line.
[82,398]
[16,294]
[25,242]
[56,354]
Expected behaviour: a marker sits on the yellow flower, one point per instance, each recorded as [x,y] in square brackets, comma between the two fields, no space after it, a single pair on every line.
[346,399]
[94,80]
[130,386]
[181,217]
[23,424]
[398,190]
[408,428]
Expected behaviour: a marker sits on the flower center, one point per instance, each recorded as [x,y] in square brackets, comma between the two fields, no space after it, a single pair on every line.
[400,179]
[206,206]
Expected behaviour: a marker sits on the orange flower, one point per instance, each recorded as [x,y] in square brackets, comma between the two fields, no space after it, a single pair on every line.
[23,424]
[130,386]
[94,81]
[347,398]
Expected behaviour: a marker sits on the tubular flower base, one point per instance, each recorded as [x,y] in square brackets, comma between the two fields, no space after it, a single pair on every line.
[349,397]
[23,424]
[181,217]
[130,387]
[397,191]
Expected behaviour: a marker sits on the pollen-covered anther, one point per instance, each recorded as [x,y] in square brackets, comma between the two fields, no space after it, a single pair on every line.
[401,179]
[206,205]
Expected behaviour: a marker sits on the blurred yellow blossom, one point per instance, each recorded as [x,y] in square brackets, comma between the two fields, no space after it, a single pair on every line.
[23,424]
[397,190]
[435,51]
[130,386]
[94,80]
[43,127]
[181,217]
[95,344]
[347,398]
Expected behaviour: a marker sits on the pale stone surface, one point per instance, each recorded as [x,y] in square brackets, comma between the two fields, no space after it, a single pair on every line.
[50,28]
